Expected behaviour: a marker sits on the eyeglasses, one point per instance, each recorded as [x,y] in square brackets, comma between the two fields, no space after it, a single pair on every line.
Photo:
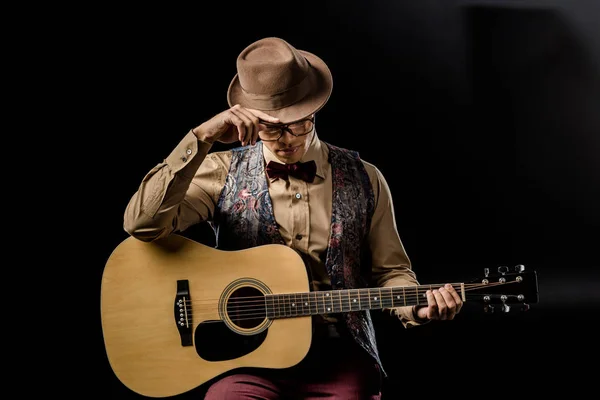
[274,132]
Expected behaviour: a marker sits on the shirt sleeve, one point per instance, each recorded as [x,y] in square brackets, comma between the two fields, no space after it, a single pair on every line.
[391,264]
[179,192]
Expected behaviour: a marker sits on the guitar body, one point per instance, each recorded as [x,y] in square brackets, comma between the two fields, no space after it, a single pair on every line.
[168,315]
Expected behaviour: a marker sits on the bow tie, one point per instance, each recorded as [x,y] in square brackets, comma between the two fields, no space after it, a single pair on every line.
[305,171]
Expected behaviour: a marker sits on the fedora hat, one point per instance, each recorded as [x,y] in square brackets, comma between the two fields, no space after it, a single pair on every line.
[274,77]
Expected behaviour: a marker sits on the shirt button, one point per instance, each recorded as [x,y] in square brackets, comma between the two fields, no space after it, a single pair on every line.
[298,195]
[189,151]
[298,237]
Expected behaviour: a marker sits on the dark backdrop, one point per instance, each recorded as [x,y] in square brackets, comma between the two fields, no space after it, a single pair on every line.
[484,116]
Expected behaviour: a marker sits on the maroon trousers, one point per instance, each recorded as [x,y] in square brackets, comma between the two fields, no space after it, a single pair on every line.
[335,368]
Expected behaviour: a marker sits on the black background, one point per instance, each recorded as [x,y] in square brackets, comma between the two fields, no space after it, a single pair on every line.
[484,116]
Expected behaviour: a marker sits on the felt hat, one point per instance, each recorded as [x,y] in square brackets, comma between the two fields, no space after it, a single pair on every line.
[276,78]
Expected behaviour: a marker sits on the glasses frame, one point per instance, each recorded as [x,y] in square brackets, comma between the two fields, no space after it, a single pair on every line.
[285,127]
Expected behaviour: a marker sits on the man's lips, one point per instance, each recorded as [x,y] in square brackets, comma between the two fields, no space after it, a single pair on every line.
[288,150]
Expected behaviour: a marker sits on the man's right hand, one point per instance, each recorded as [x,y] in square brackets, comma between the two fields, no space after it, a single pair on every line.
[236,123]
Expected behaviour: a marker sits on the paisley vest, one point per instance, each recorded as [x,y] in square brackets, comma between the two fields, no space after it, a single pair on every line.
[244,218]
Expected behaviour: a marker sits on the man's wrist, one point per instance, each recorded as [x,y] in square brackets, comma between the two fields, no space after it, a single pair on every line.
[200,135]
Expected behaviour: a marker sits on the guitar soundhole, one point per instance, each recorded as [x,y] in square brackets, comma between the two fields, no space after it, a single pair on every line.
[246,307]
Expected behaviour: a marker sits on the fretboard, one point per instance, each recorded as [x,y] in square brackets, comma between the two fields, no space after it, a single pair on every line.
[339,301]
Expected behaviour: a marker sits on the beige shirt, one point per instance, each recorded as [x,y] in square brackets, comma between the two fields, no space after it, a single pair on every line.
[183,190]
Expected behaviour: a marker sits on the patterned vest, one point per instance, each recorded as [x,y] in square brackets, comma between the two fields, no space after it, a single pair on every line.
[244,218]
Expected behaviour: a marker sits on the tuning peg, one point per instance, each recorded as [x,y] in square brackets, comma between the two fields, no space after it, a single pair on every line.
[503,270]
[524,307]
[486,272]
[488,308]
[505,307]
[519,268]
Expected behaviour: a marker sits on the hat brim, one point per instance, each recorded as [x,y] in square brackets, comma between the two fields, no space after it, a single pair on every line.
[321,82]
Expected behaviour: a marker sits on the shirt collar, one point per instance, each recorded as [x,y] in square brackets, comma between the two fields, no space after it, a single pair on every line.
[317,151]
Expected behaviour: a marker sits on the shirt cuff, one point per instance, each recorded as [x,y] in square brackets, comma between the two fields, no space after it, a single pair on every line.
[408,317]
[188,155]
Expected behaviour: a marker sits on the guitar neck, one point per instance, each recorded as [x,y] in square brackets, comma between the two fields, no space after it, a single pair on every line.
[347,300]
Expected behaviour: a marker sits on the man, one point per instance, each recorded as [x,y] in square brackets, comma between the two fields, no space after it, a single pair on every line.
[285,185]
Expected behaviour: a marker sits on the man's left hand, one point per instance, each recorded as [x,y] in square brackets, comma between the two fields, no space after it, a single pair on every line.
[442,304]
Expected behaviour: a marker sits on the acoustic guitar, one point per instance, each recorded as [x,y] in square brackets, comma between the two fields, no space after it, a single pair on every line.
[177,313]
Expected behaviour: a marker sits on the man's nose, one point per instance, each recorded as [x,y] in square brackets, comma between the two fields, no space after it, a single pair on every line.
[286,136]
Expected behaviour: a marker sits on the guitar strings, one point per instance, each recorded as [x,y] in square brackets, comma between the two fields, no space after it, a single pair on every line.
[210,310]
[251,312]
[315,297]
[260,314]
[347,293]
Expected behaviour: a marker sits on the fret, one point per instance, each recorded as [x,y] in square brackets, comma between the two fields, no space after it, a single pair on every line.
[374,298]
[404,295]
[288,305]
[358,293]
[340,300]
[349,298]
[305,305]
[294,305]
[353,300]
[269,308]
[327,302]
[397,297]
[277,305]
[315,303]
[365,299]
[411,298]
[330,296]
[281,301]
[430,288]
[387,299]
[380,303]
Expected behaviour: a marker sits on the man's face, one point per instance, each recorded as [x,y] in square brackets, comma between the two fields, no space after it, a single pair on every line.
[289,148]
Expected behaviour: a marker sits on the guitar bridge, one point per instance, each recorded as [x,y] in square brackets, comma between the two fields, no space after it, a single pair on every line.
[183,312]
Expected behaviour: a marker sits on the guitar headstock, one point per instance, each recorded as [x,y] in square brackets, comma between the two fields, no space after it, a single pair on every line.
[503,289]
